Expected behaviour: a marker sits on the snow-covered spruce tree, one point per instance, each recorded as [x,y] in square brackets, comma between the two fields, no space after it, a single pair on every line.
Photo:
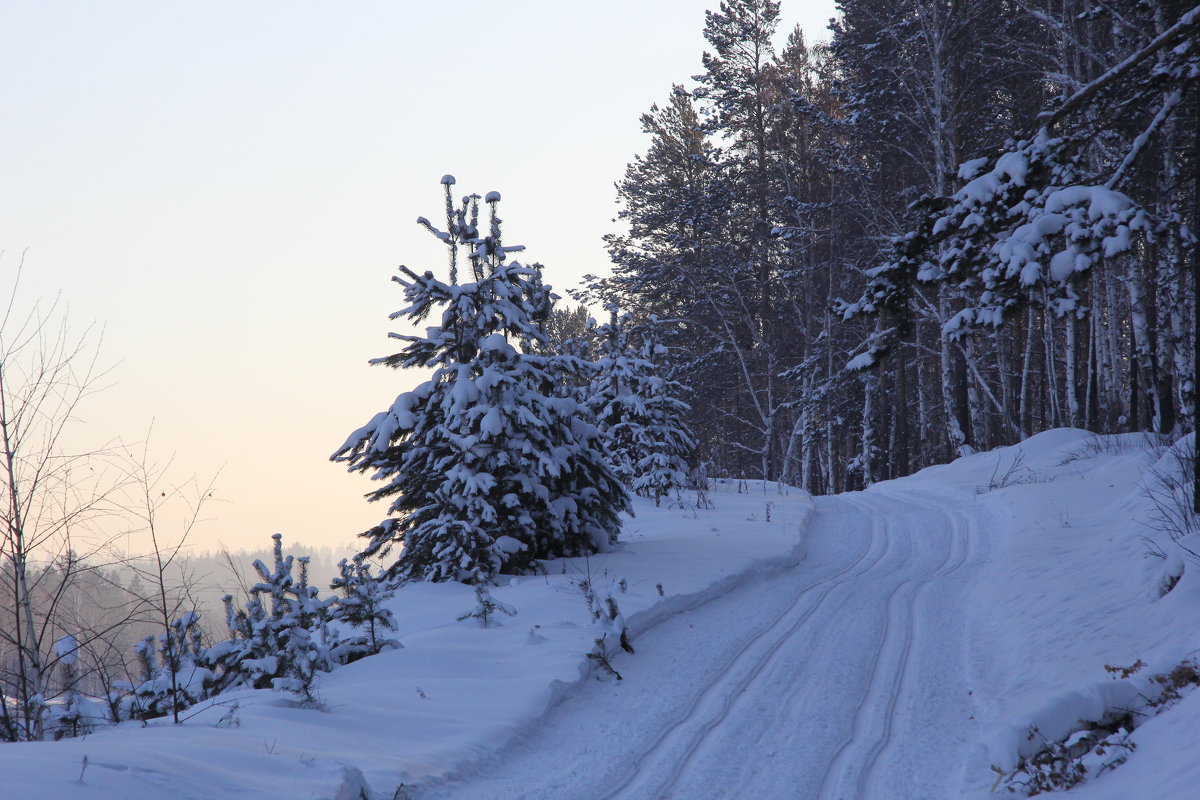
[640,411]
[173,672]
[283,645]
[362,606]
[616,396]
[668,443]
[571,337]
[487,608]
[307,644]
[487,466]
[235,661]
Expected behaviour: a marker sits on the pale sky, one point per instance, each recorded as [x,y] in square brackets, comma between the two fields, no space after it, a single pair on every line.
[226,189]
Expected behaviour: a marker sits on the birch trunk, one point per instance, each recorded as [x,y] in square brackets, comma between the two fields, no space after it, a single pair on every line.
[1070,378]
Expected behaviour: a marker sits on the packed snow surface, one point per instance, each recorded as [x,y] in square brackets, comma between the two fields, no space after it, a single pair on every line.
[893,644]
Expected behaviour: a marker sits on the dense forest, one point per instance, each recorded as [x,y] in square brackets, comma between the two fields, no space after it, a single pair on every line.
[953,225]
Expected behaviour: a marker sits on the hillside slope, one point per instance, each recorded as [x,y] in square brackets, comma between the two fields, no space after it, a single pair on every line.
[897,643]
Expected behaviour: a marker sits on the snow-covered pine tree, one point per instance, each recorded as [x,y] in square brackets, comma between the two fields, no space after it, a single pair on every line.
[667,443]
[487,608]
[617,396]
[362,606]
[139,703]
[640,411]
[284,645]
[235,661]
[174,673]
[487,465]
[715,242]
[570,337]
[304,633]
[259,627]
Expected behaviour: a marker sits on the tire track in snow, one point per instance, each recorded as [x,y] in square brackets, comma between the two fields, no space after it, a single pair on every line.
[796,692]
[799,702]
[841,766]
[720,696]
[902,626]
[955,558]
[959,552]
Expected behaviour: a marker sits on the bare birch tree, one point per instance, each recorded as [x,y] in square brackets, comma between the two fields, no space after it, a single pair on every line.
[52,492]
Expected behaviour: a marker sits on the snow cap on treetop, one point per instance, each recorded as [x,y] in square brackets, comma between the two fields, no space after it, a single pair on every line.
[492,197]
[67,649]
[448,180]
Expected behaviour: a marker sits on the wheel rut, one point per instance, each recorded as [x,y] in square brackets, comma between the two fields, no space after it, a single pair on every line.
[812,687]
[712,705]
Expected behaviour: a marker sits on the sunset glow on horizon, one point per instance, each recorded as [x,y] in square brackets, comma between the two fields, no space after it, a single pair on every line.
[225,190]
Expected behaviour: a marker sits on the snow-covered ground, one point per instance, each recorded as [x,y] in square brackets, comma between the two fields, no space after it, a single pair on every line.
[892,644]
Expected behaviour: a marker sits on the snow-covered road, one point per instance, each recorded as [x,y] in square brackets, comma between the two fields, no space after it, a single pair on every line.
[786,648]
[842,678]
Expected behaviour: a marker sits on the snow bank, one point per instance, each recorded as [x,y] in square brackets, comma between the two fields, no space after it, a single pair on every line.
[1058,718]
[1071,589]
[1165,765]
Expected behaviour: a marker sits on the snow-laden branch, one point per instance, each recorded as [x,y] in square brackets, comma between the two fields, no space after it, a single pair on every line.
[1181,29]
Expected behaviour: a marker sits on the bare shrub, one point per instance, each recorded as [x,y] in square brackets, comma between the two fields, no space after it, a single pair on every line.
[1015,473]
[1115,445]
[1169,489]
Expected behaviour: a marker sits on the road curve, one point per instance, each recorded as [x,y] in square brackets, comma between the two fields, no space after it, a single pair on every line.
[843,678]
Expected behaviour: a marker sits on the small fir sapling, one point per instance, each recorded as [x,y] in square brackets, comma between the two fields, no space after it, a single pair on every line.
[259,629]
[174,672]
[304,633]
[616,623]
[697,478]
[617,397]
[284,646]
[231,718]
[587,590]
[305,658]
[236,660]
[608,620]
[585,583]
[362,606]
[668,441]
[486,608]
[599,656]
